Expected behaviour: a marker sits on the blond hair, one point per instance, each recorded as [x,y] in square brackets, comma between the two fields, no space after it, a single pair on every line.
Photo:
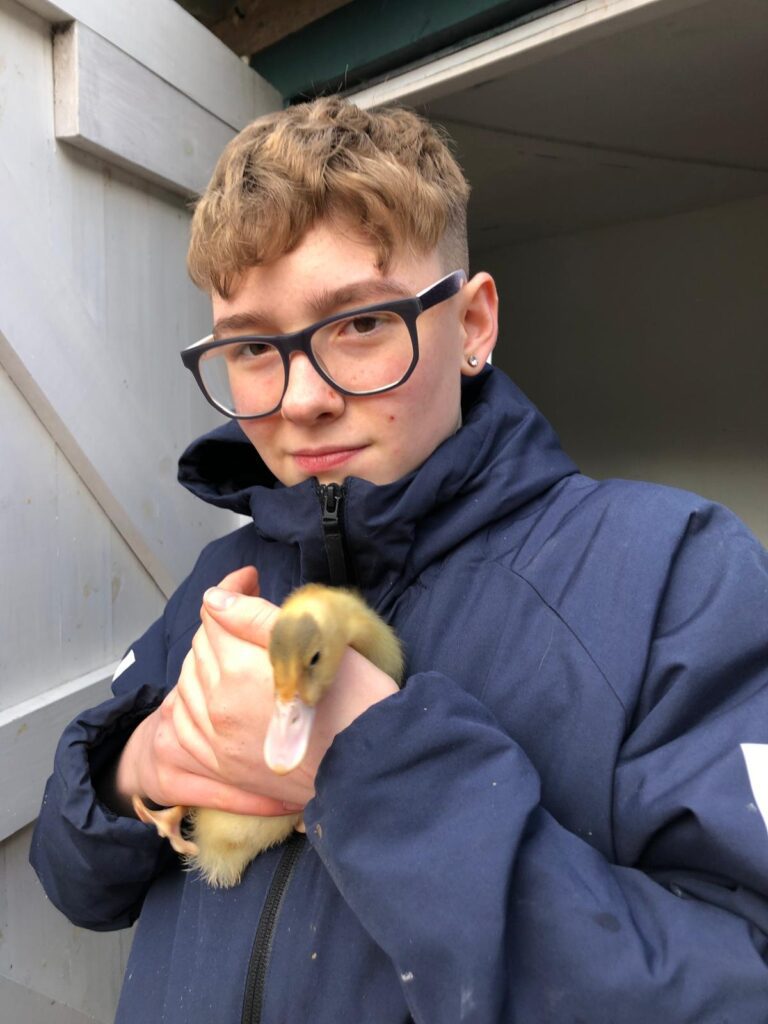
[389,173]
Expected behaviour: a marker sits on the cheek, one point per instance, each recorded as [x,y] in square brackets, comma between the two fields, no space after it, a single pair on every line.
[422,420]
[432,397]
[252,432]
[260,434]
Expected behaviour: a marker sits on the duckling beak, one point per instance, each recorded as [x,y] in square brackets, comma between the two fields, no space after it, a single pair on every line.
[288,735]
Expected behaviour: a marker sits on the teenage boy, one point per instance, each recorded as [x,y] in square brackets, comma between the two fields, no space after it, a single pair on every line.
[560,817]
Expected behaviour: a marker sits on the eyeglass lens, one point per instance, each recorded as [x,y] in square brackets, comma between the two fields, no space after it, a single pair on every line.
[360,354]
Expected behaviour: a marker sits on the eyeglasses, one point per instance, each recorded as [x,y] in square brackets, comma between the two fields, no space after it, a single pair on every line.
[363,351]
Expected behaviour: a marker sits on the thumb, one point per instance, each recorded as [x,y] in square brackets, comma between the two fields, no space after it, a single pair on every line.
[249,618]
[242,581]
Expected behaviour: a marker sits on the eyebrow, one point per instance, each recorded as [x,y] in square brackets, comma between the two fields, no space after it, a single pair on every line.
[323,303]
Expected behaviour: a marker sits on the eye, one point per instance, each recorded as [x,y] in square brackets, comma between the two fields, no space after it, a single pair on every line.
[359,326]
[245,351]
[252,349]
[364,324]
[314,659]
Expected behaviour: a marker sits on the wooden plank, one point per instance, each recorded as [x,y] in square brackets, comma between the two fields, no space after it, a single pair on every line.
[29,733]
[365,41]
[542,38]
[94,305]
[73,385]
[168,41]
[73,595]
[544,174]
[101,101]
[92,272]
[256,24]
[68,975]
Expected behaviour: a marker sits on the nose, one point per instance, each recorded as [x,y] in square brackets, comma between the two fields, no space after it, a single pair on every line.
[308,397]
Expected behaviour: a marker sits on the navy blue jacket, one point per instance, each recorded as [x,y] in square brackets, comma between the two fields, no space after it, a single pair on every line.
[560,818]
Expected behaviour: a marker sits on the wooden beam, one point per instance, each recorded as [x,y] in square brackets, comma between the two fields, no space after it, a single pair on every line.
[29,733]
[253,25]
[535,40]
[101,101]
[176,47]
[365,41]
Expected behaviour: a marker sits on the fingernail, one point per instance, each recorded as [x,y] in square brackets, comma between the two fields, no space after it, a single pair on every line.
[293,807]
[220,599]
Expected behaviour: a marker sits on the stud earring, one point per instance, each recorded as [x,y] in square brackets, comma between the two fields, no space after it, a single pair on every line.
[472,360]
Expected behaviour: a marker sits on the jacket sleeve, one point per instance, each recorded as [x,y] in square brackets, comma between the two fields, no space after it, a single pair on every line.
[428,817]
[94,864]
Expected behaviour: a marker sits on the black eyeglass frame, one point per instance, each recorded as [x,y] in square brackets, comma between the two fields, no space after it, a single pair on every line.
[300,341]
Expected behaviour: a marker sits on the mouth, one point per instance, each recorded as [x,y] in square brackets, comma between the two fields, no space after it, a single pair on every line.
[316,460]
[288,734]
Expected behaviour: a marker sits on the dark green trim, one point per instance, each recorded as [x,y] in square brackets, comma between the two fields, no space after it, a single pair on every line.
[368,38]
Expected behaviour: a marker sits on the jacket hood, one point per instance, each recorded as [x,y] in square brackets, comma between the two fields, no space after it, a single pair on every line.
[504,456]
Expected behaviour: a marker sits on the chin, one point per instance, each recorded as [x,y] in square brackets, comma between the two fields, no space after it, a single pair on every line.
[332,478]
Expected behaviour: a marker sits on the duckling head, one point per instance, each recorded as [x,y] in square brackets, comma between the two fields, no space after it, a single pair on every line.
[304,663]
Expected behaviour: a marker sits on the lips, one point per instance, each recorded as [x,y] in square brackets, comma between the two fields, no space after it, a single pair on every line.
[313,460]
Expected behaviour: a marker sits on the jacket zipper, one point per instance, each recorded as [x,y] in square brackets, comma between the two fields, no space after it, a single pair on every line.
[331,498]
[262,943]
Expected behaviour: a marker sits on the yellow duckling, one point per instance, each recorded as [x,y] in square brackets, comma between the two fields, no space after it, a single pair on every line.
[315,625]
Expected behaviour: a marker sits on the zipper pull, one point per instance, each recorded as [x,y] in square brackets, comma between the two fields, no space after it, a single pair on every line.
[330,500]
[332,504]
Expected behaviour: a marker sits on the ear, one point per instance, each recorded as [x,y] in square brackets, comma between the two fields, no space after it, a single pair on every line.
[480,321]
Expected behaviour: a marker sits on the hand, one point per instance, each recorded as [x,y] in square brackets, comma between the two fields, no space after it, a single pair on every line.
[237,630]
[205,745]
[172,759]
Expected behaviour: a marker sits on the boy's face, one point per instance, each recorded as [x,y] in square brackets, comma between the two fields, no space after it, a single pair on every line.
[317,431]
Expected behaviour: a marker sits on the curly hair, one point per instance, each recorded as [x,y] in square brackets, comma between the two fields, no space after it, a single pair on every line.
[387,172]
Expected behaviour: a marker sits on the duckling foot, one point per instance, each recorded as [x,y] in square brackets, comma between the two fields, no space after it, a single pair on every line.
[167,821]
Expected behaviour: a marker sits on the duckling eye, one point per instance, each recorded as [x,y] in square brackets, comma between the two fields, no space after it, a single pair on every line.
[314,659]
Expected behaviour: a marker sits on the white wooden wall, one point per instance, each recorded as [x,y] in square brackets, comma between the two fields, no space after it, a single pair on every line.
[111,116]
[660,374]
[620,199]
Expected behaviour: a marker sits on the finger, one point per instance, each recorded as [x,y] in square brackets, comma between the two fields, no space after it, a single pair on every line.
[209,671]
[199,677]
[203,792]
[181,743]
[205,667]
[168,758]
[240,662]
[220,660]
[242,581]
[249,618]
[191,737]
